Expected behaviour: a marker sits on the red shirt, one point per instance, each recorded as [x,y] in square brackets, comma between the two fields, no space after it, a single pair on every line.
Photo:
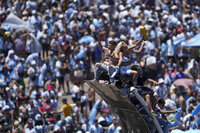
[43,108]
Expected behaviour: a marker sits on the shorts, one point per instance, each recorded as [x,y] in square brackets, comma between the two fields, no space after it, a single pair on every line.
[60,80]
[67,77]
[125,70]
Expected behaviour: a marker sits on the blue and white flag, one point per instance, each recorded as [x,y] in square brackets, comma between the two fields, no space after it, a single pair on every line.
[193,42]
[14,22]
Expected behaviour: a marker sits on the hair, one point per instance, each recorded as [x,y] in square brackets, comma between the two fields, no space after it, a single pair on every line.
[190,109]
[112,42]
[119,45]
[161,101]
[64,100]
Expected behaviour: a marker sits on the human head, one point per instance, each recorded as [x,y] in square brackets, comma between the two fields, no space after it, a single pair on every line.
[33,63]
[161,103]
[119,45]
[96,122]
[111,45]
[64,100]
[161,82]
[11,53]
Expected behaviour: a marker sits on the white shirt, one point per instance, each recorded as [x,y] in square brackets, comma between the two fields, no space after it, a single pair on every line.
[78,73]
[31,70]
[112,129]
[85,127]
[58,72]
[21,108]
[75,89]
[100,119]
[30,130]
[53,104]
[95,129]
[170,50]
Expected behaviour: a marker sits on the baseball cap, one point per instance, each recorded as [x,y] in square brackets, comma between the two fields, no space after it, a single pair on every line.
[51,119]
[161,80]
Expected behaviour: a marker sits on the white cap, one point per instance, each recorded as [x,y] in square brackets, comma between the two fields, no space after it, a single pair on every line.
[104,6]
[150,20]
[38,117]
[165,16]
[62,55]
[11,52]
[121,7]
[33,12]
[174,7]
[16,123]
[161,80]
[33,62]
[158,8]
[61,16]
[7,88]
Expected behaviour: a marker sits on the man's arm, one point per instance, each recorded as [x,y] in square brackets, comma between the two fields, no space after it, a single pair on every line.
[152,81]
[100,45]
[58,112]
[168,111]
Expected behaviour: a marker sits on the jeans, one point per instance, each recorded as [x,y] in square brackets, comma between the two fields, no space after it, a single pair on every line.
[104,68]
[98,69]
[164,124]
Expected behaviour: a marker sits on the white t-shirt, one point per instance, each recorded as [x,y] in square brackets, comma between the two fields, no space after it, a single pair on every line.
[58,72]
[30,130]
[100,119]
[78,73]
[95,129]
[170,50]
[75,89]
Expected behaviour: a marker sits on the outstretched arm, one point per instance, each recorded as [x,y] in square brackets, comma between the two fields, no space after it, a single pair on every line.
[137,51]
[136,42]
[151,81]
[100,45]
[168,111]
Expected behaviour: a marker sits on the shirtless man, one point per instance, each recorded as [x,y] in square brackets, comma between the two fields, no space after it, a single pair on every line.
[107,65]
[104,67]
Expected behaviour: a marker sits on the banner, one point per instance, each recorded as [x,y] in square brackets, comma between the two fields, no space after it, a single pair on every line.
[14,22]
[193,42]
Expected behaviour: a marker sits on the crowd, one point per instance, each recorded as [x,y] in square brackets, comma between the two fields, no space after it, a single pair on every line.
[32,83]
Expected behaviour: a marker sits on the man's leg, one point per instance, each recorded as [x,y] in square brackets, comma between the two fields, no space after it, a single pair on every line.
[112,73]
[163,124]
[148,101]
[98,69]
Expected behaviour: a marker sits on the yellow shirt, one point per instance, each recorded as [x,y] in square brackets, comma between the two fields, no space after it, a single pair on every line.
[66,109]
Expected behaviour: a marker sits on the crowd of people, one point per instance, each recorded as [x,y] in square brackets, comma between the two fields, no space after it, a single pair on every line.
[73,35]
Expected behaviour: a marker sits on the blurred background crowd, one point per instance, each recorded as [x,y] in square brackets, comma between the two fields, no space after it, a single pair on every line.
[34,80]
